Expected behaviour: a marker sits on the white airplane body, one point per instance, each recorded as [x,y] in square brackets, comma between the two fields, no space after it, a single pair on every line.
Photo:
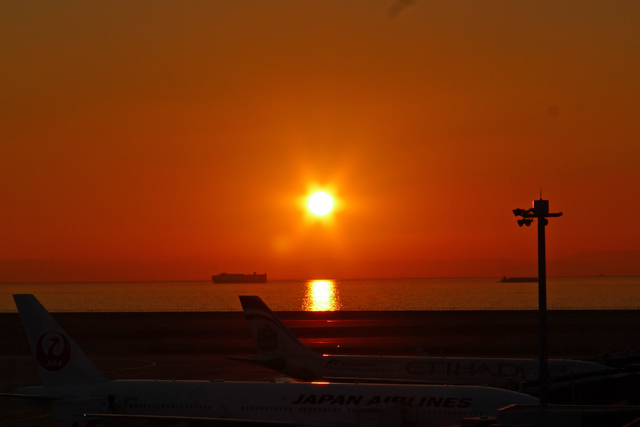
[78,392]
[280,350]
[297,403]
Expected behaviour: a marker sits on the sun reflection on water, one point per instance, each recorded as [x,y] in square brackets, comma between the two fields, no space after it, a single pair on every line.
[321,295]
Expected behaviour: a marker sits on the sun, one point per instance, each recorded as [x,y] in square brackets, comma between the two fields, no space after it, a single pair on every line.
[320,203]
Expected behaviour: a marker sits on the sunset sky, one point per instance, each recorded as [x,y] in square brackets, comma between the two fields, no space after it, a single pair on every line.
[154,140]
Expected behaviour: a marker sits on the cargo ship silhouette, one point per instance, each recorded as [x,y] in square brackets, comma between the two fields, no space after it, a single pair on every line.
[239,278]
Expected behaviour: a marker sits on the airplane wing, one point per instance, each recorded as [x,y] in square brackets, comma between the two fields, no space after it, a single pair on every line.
[269,364]
[378,381]
[273,363]
[27,397]
[202,420]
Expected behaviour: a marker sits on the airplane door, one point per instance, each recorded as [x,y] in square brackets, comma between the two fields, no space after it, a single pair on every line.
[225,407]
[118,405]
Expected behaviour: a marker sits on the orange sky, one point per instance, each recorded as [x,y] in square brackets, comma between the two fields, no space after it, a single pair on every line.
[174,140]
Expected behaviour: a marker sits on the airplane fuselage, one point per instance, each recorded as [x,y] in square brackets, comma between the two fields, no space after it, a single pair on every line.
[279,349]
[337,404]
[492,372]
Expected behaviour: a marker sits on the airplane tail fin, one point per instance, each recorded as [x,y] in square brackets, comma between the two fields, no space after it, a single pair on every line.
[60,360]
[270,336]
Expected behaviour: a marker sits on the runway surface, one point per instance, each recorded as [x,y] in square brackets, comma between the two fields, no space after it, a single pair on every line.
[193,346]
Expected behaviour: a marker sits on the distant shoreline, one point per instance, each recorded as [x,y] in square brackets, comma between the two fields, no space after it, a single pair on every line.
[447,294]
[306,280]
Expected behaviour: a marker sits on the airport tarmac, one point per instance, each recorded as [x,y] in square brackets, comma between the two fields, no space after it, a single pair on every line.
[193,346]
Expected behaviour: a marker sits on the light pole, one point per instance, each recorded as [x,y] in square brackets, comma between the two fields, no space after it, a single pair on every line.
[540,210]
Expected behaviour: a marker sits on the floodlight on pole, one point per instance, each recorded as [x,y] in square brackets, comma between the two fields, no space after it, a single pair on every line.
[540,210]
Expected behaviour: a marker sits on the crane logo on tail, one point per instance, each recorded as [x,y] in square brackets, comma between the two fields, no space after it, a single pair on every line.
[267,339]
[53,351]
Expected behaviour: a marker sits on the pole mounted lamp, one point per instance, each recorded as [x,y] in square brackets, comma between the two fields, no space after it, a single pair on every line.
[540,211]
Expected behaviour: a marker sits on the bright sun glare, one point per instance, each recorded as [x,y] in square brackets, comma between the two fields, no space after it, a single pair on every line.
[320,203]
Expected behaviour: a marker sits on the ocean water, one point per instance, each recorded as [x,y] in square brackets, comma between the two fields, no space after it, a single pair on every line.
[320,295]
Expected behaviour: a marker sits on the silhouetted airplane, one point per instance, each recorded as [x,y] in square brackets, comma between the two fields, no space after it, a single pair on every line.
[280,350]
[76,391]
